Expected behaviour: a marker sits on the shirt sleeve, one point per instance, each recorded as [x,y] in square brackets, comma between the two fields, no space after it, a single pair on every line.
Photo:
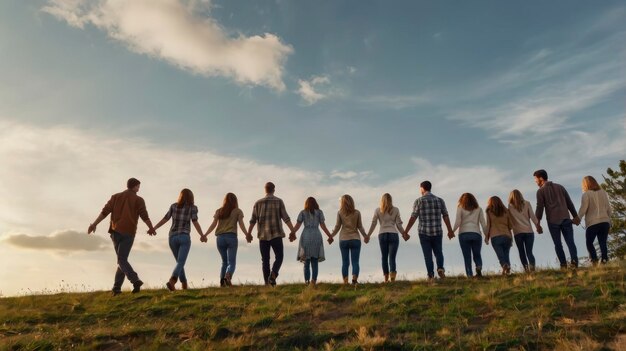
[283,212]
[584,204]
[239,215]
[108,207]
[540,205]
[531,214]
[300,217]
[337,225]
[457,221]
[168,214]
[481,220]
[570,204]
[322,219]
[141,209]
[444,210]
[416,209]
[255,214]
[194,214]
[398,218]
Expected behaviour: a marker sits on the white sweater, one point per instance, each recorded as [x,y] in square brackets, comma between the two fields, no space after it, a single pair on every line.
[390,222]
[595,207]
[470,221]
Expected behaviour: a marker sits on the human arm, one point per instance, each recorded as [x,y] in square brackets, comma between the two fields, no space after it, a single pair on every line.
[533,218]
[446,220]
[92,226]
[374,222]
[540,205]
[338,224]
[409,225]
[359,226]
[457,220]
[481,221]
[106,210]
[211,229]
[584,206]
[488,232]
[570,206]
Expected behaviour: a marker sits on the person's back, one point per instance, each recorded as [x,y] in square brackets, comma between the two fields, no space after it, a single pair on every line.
[350,225]
[556,201]
[125,208]
[269,212]
[429,210]
[389,221]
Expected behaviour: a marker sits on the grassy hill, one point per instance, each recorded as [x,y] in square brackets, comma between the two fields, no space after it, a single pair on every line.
[548,310]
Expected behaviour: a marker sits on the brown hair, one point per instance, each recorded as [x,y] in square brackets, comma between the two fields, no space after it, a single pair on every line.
[311,204]
[269,188]
[468,202]
[185,198]
[590,183]
[229,204]
[132,182]
[516,199]
[346,206]
[541,173]
[495,206]
[386,203]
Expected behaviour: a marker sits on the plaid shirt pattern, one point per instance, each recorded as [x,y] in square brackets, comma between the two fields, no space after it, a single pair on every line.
[181,218]
[269,213]
[429,209]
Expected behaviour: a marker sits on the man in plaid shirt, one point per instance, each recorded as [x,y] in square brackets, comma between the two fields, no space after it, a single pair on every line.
[269,212]
[430,209]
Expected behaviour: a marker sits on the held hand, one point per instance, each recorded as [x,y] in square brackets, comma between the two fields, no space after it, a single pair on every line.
[539,229]
[151,232]
[91,229]
[406,237]
[292,236]
[249,238]
[486,241]
[451,235]
[366,239]
[576,220]
[330,240]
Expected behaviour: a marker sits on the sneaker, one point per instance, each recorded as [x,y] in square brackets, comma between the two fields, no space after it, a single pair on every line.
[137,286]
[441,273]
[272,279]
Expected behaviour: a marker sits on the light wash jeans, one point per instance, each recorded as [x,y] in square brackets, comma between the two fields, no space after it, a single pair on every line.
[227,246]
[180,243]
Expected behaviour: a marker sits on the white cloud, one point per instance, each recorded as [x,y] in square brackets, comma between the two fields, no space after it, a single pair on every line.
[309,90]
[170,30]
[64,241]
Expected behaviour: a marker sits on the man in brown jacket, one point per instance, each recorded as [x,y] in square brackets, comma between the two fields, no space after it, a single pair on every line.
[125,209]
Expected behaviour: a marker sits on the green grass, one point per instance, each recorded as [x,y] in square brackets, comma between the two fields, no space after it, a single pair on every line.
[548,310]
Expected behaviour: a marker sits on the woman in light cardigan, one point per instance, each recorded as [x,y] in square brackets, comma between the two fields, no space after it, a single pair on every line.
[596,210]
[469,220]
[390,225]
[521,213]
[350,224]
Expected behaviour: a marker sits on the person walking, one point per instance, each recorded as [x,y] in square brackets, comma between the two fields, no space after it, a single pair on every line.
[311,244]
[269,212]
[390,225]
[349,225]
[225,222]
[183,212]
[596,210]
[125,208]
[430,210]
[470,219]
[556,201]
[499,232]
[521,213]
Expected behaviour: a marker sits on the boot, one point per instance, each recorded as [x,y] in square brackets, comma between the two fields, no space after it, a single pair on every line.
[386,278]
[479,271]
[227,279]
[313,283]
[345,280]
[184,285]
[392,276]
[355,279]
[171,283]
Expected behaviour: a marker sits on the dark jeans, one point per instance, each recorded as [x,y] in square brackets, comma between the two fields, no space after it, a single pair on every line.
[122,243]
[502,246]
[470,246]
[600,230]
[432,244]
[350,252]
[524,243]
[567,230]
[276,245]
[310,264]
[389,243]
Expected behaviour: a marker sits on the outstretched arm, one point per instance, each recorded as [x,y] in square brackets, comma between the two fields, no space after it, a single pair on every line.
[197,226]
[92,226]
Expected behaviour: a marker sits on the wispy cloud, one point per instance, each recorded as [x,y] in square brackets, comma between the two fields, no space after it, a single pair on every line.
[311,90]
[396,102]
[65,241]
[170,30]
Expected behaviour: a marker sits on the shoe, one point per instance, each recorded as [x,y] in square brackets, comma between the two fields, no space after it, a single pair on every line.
[228,282]
[307,283]
[184,286]
[392,276]
[441,273]
[506,269]
[531,268]
[223,283]
[479,272]
[115,292]
[574,265]
[271,280]
[355,279]
[386,278]
[345,280]
[171,284]
[137,286]
[313,283]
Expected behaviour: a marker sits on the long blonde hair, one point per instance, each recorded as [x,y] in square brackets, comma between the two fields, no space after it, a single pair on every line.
[590,183]
[386,203]
[516,199]
[346,206]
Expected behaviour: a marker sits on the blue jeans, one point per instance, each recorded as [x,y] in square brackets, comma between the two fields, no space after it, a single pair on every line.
[567,230]
[389,243]
[502,246]
[471,244]
[350,251]
[601,231]
[180,243]
[122,243]
[227,247]
[524,243]
[432,244]
[310,265]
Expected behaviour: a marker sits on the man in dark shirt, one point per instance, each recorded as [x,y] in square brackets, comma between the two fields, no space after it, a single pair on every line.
[125,209]
[556,201]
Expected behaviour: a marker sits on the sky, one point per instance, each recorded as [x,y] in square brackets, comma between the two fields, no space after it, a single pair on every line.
[322,98]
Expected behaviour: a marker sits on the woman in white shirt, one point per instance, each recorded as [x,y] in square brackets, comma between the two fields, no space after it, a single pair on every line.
[596,209]
[390,225]
[469,220]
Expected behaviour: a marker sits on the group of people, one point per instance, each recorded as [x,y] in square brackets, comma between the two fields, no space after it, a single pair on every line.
[499,225]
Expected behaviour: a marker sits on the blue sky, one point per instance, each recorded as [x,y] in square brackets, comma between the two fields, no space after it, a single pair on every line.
[329,97]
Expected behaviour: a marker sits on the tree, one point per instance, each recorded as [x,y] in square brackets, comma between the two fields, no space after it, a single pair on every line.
[615,186]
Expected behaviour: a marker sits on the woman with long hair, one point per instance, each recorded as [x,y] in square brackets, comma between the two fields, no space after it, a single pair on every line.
[390,225]
[596,210]
[470,219]
[182,213]
[311,245]
[499,232]
[225,222]
[522,214]
[350,224]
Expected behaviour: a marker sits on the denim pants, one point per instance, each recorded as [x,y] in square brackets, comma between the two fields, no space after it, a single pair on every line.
[310,264]
[122,243]
[567,230]
[276,245]
[350,252]
[389,243]
[180,243]
[227,247]
[524,243]
[471,244]
[601,231]
[502,246]
[432,244]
